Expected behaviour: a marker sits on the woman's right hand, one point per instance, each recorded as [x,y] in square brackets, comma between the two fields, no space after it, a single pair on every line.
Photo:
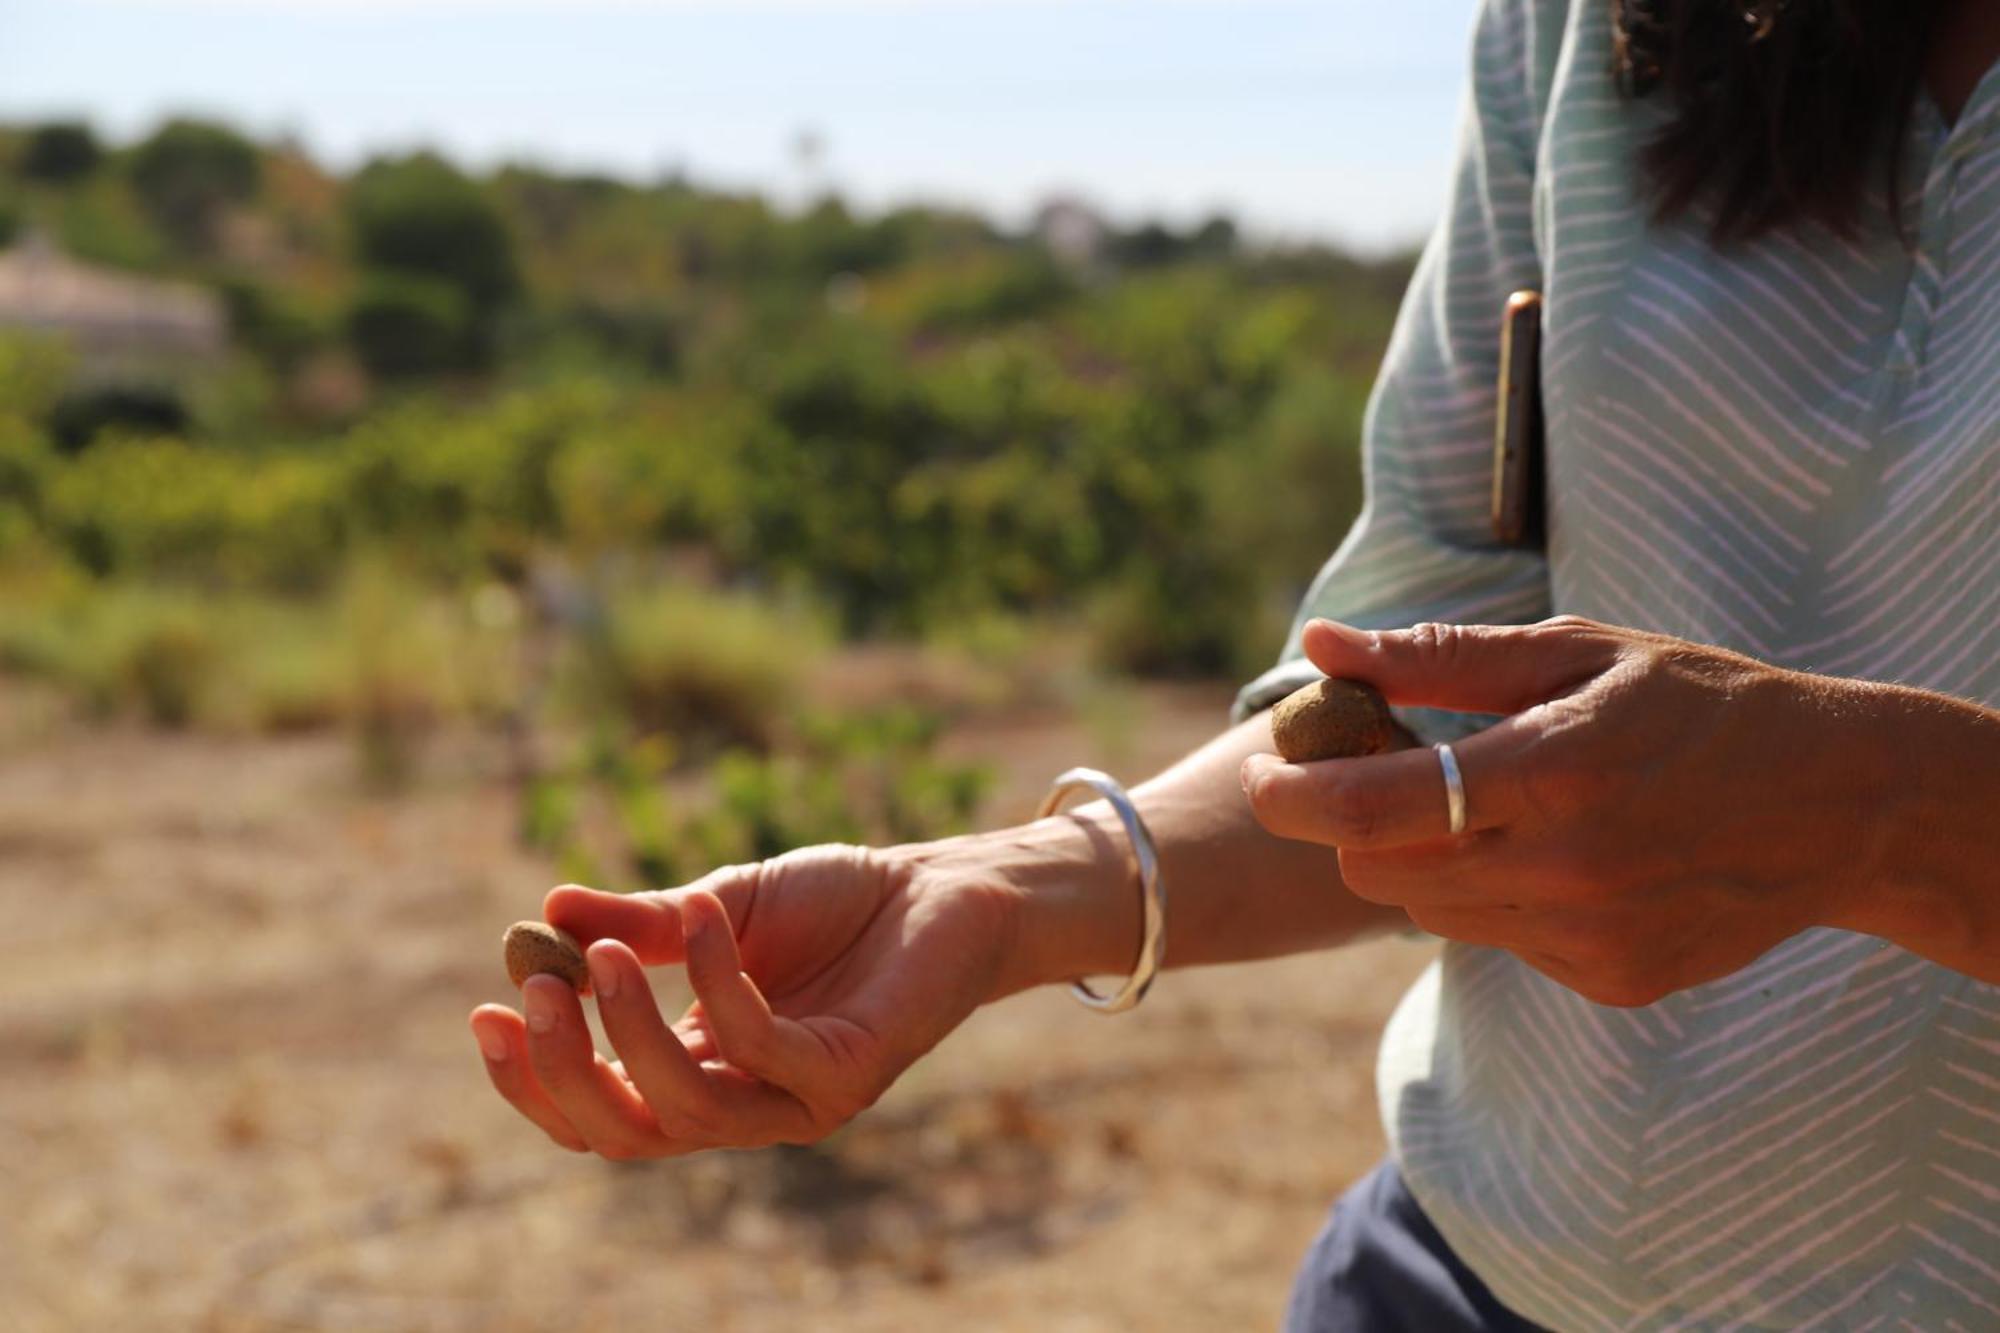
[818,976]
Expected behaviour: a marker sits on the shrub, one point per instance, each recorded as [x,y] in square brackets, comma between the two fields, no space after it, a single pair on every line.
[868,778]
[35,372]
[120,650]
[1023,285]
[188,172]
[417,215]
[84,413]
[273,322]
[708,670]
[402,326]
[646,337]
[60,152]
[167,509]
[26,463]
[166,667]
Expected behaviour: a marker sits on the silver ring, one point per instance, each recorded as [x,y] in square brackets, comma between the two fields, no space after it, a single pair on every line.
[1454,787]
[1152,893]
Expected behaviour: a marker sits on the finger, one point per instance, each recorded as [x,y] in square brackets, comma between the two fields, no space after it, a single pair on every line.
[604,1109]
[1553,966]
[1478,870]
[693,1030]
[659,1065]
[746,1032]
[1471,668]
[1613,990]
[1492,927]
[503,1045]
[1389,800]
[649,922]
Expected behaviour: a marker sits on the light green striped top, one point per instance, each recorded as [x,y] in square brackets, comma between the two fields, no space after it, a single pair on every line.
[1791,449]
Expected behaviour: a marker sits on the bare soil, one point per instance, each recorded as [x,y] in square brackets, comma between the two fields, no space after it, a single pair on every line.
[236,1089]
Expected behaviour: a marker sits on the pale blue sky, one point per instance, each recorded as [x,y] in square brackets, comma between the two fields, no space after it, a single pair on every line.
[1324,118]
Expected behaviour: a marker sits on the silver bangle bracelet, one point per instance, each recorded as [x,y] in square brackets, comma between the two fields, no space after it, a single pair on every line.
[1152,893]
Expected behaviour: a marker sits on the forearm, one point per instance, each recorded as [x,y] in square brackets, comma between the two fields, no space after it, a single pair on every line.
[1234,892]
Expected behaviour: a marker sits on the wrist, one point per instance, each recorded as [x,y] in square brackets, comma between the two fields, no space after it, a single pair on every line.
[1927,885]
[1069,879]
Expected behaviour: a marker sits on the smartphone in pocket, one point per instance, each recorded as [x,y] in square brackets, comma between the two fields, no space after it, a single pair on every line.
[1519,509]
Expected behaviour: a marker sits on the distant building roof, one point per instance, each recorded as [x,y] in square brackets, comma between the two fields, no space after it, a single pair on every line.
[109,316]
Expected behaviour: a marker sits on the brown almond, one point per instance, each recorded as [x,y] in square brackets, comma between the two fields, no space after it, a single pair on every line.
[1332,719]
[535,947]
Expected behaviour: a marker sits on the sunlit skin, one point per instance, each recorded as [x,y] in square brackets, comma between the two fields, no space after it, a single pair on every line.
[842,965]
[1650,815]
[1654,814]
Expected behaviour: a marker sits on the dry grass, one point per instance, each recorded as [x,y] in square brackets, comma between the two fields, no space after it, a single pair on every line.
[239,1094]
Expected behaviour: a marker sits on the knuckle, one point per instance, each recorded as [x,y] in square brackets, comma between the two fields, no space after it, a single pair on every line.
[684,1124]
[1441,643]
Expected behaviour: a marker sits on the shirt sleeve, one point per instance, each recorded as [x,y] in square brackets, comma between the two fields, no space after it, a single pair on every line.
[1422,549]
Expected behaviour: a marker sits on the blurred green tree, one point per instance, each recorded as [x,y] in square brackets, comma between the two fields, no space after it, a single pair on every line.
[60,152]
[139,408]
[188,173]
[443,256]
[272,321]
[420,215]
[404,325]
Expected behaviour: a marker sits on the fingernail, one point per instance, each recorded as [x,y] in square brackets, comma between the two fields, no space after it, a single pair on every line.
[541,1011]
[1359,638]
[603,974]
[491,1044]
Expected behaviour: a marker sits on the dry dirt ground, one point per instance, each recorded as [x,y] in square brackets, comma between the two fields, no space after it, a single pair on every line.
[236,1090]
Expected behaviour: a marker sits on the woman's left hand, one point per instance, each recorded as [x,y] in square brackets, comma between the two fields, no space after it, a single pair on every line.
[1653,814]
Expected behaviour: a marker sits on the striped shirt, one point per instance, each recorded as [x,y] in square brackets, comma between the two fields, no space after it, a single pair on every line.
[1787,448]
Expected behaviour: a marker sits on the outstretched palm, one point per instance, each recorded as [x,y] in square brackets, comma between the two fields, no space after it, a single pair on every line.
[819,977]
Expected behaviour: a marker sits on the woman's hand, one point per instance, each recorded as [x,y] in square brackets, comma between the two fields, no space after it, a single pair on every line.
[1654,814]
[818,978]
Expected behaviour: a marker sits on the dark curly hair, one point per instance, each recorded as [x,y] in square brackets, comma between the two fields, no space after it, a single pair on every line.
[1784,111]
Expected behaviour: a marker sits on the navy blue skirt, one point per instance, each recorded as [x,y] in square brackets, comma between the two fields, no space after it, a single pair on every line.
[1379,1266]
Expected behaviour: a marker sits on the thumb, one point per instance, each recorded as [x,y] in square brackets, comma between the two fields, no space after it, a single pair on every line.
[1468,668]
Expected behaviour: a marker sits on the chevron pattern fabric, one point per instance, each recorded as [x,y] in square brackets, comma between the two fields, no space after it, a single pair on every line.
[1792,449]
